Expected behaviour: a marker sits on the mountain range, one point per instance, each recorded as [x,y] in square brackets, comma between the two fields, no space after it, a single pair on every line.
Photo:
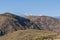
[10,23]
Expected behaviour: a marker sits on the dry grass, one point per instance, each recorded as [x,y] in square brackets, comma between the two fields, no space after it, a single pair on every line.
[29,34]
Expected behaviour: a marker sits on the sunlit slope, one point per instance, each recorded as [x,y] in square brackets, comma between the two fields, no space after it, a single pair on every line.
[29,34]
[46,22]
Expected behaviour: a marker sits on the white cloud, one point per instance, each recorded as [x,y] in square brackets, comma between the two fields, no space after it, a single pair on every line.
[28,14]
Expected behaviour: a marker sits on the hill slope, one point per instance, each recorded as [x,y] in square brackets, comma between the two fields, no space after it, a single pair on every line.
[46,22]
[29,34]
[11,23]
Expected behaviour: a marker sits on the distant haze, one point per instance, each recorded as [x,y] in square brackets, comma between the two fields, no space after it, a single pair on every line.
[31,7]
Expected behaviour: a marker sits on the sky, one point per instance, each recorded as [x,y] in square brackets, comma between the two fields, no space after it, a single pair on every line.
[31,7]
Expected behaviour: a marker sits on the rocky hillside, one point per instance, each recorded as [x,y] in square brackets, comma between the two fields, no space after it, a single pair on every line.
[46,22]
[10,23]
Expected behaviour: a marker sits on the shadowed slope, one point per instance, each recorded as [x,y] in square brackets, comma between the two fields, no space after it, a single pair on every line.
[10,22]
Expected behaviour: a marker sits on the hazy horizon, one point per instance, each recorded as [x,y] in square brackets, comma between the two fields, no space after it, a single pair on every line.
[31,7]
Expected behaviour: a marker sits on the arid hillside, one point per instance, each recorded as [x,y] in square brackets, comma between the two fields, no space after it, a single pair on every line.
[46,22]
[10,23]
[14,27]
[29,34]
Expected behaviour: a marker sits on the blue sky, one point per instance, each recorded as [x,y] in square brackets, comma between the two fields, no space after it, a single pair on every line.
[31,7]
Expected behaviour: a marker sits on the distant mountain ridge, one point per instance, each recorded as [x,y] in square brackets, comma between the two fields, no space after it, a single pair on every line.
[46,22]
[57,18]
